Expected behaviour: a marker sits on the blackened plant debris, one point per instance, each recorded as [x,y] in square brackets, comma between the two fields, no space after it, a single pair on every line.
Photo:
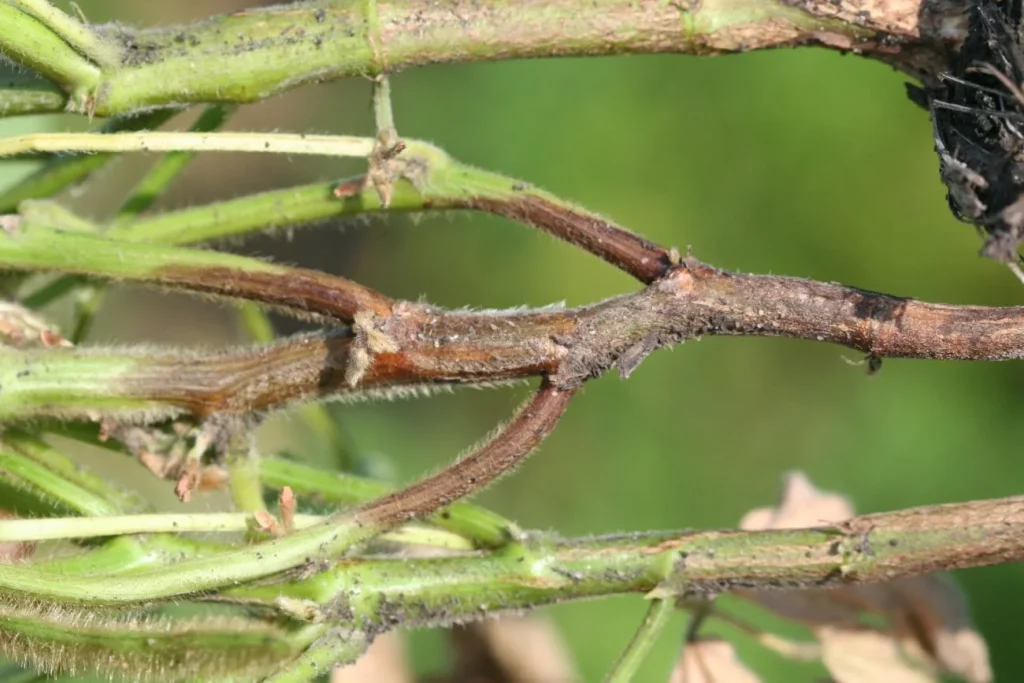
[978,118]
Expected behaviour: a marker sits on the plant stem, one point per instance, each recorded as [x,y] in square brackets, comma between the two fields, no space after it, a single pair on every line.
[49,528]
[323,426]
[207,648]
[74,33]
[632,658]
[63,171]
[48,488]
[336,647]
[115,500]
[242,461]
[319,543]
[432,180]
[324,40]
[160,176]
[30,43]
[156,180]
[303,292]
[479,525]
[163,141]
[27,94]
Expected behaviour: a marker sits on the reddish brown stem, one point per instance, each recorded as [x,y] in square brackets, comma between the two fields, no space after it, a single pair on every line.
[644,260]
[421,347]
[641,258]
[499,455]
[297,291]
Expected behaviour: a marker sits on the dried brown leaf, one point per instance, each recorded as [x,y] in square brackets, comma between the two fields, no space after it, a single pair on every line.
[710,660]
[22,328]
[266,522]
[929,621]
[868,656]
[287,503]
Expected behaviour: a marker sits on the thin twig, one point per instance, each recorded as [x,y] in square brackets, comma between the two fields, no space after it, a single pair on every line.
[51,528]
[500,455]
[162,141]
[75,33]
[629,662]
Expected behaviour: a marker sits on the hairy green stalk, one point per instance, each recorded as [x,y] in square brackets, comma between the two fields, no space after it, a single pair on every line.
[34,45]
[335,647]
[629,662]
[147,647]
[25,93]
[287,46]
[75,33]
[30,446]
[48,489]
[429,180]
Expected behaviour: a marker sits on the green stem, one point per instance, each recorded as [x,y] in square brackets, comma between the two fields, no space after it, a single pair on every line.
[243,465]
[160,176]
[27,41]
[256,323]
[73,32]
[114,500]
[49,489]
[126,554]
[302,292]
[432,181]
[325,40]
[23,93]
[64,171]
[632,658]
[50,528]
[336,647]
[152,185]
[206,648]
[163,141]
[88,300]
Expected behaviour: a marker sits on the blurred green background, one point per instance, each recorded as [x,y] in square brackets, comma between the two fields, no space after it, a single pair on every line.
[798,162]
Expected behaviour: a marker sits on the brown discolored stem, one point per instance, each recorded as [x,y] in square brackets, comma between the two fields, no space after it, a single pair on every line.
[641,258]
[435,348]
[499,455]
[296,291]
[418,348]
